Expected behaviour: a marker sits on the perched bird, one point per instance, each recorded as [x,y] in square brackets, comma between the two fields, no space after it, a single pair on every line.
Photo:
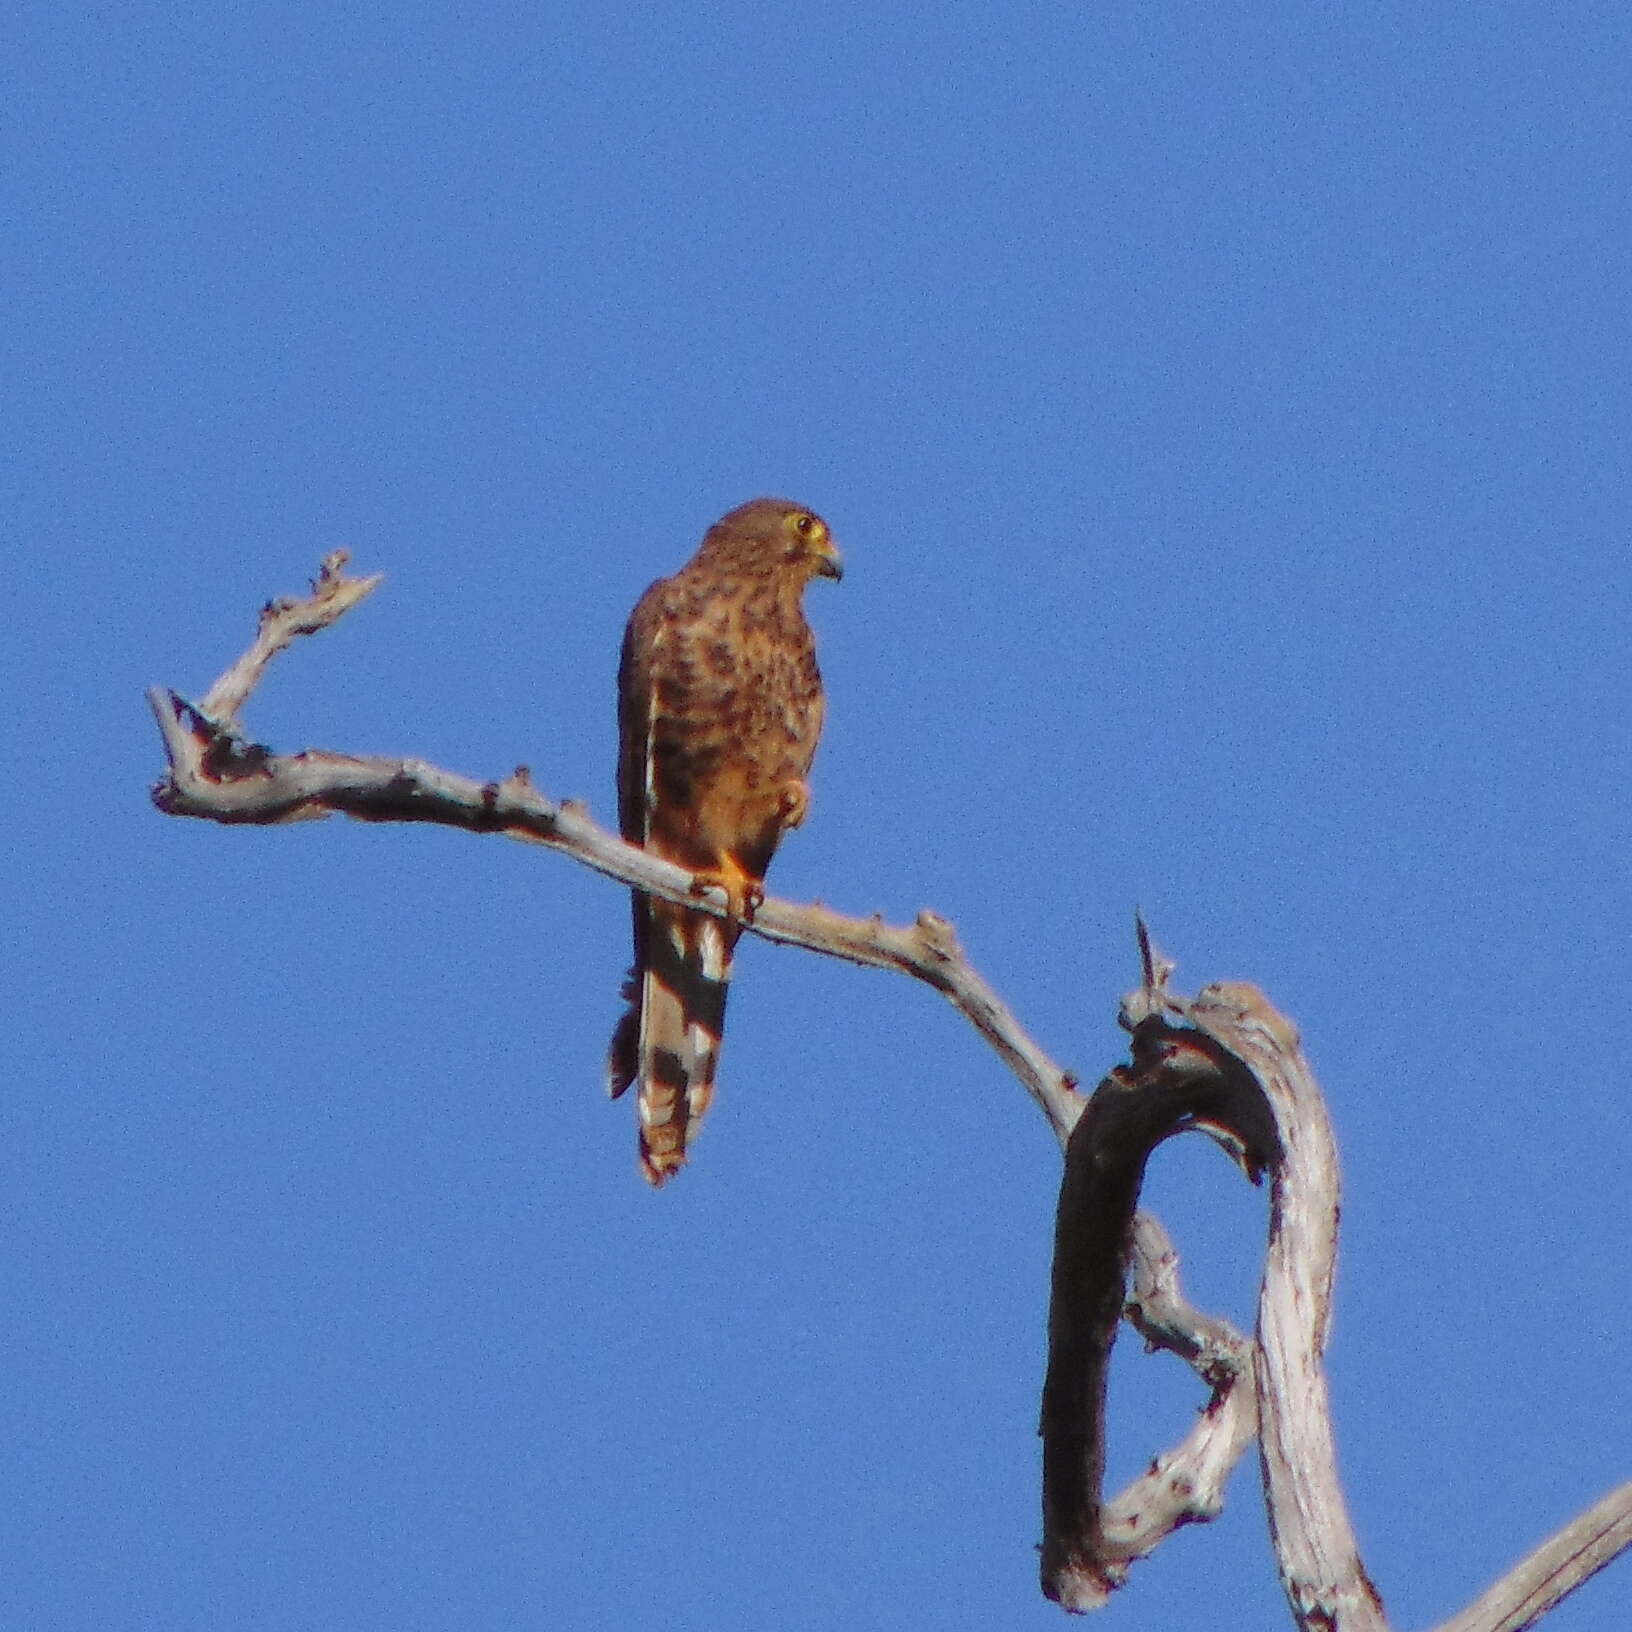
[719,710]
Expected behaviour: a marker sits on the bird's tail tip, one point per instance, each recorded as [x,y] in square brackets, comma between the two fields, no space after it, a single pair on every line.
[658,1167]
[667,1127]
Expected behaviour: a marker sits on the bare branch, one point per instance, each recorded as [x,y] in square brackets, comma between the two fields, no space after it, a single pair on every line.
[216,774]
[1159,1312]
[333,595]
[1314,1541]
[1178,1080]
[1235,1071]
[1555,1569]
[1186,1484]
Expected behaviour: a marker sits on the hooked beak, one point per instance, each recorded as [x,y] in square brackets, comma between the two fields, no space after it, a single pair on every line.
[829,563]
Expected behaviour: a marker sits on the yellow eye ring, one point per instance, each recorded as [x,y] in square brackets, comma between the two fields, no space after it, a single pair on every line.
[804,524]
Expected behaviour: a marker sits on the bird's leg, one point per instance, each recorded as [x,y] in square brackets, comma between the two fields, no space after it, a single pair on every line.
[743,894]
[795,801]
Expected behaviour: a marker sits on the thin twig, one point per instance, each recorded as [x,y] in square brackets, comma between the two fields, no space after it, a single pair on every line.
[333,595]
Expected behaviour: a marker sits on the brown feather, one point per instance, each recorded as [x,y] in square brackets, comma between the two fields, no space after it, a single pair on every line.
[719,711]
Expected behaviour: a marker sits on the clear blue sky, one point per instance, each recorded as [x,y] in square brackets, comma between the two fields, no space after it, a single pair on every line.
[1226,419]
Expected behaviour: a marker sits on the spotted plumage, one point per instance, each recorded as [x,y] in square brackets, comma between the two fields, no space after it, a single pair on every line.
[719,711]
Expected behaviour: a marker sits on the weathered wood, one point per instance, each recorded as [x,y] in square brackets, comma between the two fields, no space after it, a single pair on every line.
[1225,1064]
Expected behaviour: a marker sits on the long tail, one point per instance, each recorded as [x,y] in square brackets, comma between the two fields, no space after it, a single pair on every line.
[668,1042]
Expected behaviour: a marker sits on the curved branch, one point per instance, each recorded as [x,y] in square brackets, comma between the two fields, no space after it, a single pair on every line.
[1234,1069]
[1184,1485]
[217,774]
[1315,1546]
[1177,1081]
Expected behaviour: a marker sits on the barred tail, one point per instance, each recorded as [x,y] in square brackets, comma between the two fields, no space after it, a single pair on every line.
[669,1040]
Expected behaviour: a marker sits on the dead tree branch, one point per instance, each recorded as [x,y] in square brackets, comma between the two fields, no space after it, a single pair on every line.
[1226,1064]
[1177,1081]
[1554,1570]
[1309,1521]
[1231,1067]
[333,595]
[1184,1485]
[216,773]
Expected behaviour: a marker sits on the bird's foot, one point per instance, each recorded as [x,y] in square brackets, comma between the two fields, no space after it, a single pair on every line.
[743,895]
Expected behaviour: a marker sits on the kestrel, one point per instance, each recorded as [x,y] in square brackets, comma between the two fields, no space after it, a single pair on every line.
[719,710]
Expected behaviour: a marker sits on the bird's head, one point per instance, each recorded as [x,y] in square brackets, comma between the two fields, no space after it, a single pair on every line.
[796,539]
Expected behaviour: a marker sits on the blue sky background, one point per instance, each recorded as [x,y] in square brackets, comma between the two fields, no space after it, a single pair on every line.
[1226,420]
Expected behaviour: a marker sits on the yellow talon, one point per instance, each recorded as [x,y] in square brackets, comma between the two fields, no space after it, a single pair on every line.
[743,894]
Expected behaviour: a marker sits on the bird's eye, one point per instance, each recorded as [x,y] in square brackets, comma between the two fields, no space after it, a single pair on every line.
[804,524]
